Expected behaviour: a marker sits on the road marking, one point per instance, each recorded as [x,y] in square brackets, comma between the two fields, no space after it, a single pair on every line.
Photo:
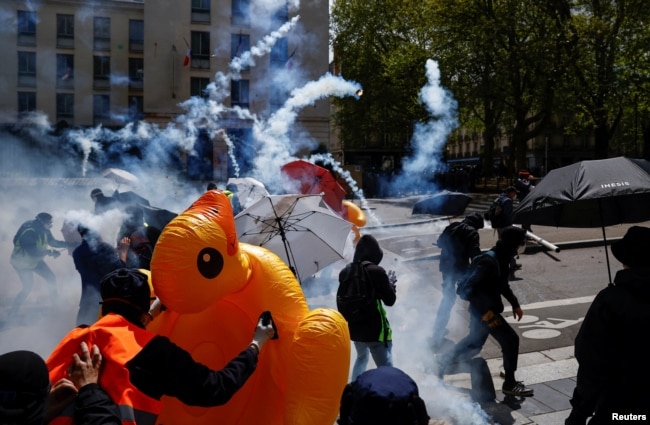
[556,303]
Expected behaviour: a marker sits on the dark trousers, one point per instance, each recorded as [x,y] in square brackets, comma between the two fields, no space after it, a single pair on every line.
[473,343]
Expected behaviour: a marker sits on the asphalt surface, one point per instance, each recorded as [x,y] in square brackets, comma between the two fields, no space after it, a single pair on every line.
[555,288]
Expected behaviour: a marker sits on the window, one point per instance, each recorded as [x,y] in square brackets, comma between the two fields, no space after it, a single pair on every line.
[102,34]
[136,35]
[239,93]
[64,106]
[198,86]
[64,71]
[201,11]
[200,50]
[26,28]
[26,101]
[136,111]
[101,109]
[279,55]
[241,13]
[101,72]
[64,31]
[136,73]
[26,69]
[239,43]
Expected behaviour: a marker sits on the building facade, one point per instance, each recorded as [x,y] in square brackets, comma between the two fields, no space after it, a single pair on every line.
[113,62]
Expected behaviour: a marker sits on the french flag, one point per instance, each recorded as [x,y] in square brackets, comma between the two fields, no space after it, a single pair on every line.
[188,57]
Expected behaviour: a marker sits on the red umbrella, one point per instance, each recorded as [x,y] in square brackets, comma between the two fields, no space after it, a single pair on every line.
[315,179]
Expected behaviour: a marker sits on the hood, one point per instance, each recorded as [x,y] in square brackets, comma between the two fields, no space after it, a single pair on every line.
[368,249]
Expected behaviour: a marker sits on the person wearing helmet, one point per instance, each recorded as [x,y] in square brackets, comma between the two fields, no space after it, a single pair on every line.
[32,244]
[140,366]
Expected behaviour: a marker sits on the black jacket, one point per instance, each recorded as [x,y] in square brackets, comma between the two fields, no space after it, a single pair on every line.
[163,368]
[491,282]
[376,327]
[613,350]
[459,243]
[94,407]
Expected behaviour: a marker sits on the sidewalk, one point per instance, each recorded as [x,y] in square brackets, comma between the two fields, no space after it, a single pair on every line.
[551,373]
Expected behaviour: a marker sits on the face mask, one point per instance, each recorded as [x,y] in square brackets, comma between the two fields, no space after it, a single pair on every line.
[521,249]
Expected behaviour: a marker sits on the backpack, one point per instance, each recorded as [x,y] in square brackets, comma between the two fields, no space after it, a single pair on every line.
[495,210]
[465,285]
[355,297]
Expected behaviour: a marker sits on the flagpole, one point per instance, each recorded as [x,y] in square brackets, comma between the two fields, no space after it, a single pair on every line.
[173,70]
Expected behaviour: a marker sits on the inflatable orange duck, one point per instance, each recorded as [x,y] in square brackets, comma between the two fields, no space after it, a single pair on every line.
[214,289]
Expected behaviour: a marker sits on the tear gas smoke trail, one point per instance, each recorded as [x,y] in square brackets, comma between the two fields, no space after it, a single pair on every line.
[86,139]
[275,145]
[345,174]
[119,79]
[231,151]
[429,138]
[262,48]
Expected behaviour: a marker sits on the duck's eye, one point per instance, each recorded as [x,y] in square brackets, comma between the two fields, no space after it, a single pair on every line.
[209,262]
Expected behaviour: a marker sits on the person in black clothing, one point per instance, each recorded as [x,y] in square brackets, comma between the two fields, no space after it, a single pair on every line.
[504,219]
[93,259]
[611,347]
[489,283]
[140,238]
[459,243]
[102,202]
[373,335]
[26,399]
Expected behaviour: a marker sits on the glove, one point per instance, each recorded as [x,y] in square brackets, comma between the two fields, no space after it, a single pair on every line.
[491,319]
[54,253]
[392,278]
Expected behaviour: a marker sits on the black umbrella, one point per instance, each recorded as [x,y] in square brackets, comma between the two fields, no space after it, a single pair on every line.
[590,194]
[443,203]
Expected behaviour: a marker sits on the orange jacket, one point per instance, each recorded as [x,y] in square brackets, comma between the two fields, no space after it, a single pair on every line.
[119,341]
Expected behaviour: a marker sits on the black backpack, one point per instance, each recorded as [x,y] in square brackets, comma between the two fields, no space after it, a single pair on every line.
[495,210]
[466,283]
[355,298]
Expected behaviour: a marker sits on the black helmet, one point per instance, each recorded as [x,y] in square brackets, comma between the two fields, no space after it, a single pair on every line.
[126,286]
[44,218]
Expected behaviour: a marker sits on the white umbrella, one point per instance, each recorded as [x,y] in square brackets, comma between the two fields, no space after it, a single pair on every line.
[300,229]
[120,176]
[247,189]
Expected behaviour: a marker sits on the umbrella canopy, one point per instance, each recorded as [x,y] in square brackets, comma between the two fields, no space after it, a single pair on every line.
[443,203]
[315,179]
[300,229]
[120,176]
[590,194]
[247,189]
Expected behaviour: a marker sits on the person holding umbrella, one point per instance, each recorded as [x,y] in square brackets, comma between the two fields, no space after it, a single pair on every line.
[611,348]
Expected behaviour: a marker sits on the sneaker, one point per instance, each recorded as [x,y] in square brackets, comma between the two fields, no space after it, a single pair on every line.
[518,390]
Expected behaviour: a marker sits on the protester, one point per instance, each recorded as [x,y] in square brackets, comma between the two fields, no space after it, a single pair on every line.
[372,335]
[80,394]
[505,219]
[231,192]
[612,356]
[94,259]
[459,243]
[382,396]
[140,238]
[140,366]
[102,202]
[523,184]
[31,246]
[26,399]
[489,283]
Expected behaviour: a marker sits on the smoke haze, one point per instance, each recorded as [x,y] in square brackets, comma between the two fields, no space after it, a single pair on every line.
[152,153]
